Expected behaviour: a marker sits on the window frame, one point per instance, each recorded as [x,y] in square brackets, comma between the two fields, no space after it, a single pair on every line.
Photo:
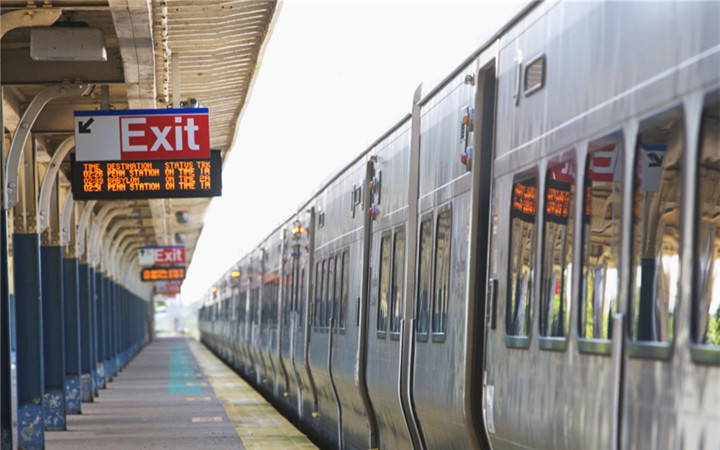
[648,349]
[428,217]
[439,336]
[517,340]
[387,234]
[701,353]
[597,346]
[547,342]
[396,296]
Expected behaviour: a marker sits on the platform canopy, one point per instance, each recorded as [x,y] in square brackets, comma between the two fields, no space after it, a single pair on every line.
[158,54]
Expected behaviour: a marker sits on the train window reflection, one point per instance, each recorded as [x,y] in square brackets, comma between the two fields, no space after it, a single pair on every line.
[602,212]
[522,255]
[656,230]
[318,295]
[345,286]
[384,283]
[424,276]
[442,272]
[243,304]
[396,301]
[557,264]
[330,292]
[706,326]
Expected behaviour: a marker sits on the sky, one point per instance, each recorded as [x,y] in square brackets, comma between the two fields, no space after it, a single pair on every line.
[334,76]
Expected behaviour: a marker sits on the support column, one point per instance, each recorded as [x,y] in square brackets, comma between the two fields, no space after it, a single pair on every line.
[28,309]
[53,315]
[86,298]
[100,324]
[6,425]
[87,350]
[71,299]
[5,336]
[107,320]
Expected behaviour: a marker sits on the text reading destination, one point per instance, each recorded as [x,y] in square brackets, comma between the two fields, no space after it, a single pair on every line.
[147,179]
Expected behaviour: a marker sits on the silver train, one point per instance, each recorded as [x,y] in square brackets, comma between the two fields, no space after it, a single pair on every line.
[530,259]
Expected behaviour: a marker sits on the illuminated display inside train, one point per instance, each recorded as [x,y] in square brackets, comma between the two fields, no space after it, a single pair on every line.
[162,273]
[524,200]
[557,201]
[110,180]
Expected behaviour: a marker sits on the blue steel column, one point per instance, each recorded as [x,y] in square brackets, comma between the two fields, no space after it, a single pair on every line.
[5,336]
[28,307]
[53,337]
[28,312]
[73,385]
[100,324]
[107,305]
[94,336]
[87,348]
[116,327]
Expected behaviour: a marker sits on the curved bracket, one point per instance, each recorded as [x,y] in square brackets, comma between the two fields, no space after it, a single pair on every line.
[65,221]
[82,226]
[12,166]
[38,17]
[49,181]
[118,252]
[111,238]
[99,228]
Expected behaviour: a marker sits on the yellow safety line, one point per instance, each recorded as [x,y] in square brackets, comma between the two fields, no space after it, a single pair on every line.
[258,424]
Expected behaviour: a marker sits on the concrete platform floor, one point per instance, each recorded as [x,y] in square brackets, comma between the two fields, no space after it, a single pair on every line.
[175,394]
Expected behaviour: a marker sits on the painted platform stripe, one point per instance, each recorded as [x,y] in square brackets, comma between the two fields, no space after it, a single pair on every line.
[182,373]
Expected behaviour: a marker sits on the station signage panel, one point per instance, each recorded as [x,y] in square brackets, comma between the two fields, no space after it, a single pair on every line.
[153,256]
[118,180]
[142,134]
[169,287]
[162,273]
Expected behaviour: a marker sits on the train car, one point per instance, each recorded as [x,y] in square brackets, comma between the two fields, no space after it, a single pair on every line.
[530,259]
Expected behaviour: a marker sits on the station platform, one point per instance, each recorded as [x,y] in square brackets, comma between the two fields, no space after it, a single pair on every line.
[176,394]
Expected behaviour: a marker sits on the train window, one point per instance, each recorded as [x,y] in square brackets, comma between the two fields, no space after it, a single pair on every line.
[398,276]
[656,230]
[330,298]
[555,292]
[243,305]
[522,258]
[287,297]
[424,277]
[254,300]
[324,274]
[441,286]
[302,298]
[318,295]
[384,284]
[602,211]
[706,306]
[341,295]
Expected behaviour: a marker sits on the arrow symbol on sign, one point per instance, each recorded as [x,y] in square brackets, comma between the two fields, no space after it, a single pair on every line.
[84,128]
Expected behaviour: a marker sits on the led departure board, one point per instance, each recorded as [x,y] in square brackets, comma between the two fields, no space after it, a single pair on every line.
[162,273]
[117,180]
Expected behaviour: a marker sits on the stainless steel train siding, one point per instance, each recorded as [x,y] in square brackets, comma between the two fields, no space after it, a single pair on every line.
[530,259]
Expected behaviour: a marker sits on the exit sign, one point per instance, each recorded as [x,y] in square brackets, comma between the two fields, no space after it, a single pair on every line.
[142,134]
